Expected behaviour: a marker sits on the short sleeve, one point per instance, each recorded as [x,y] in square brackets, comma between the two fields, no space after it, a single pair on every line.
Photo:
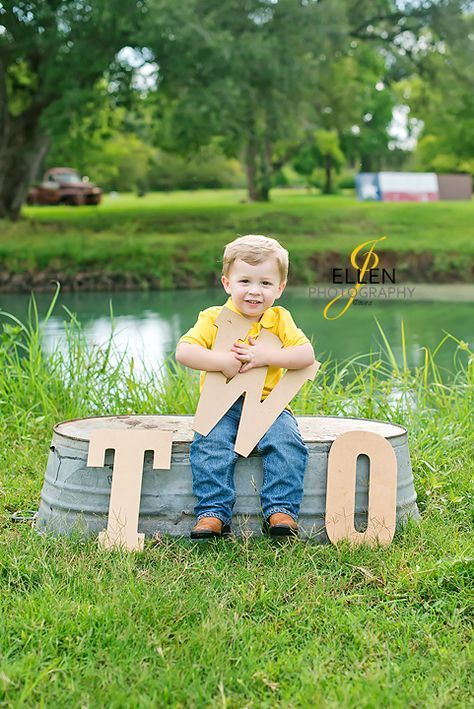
[203,331]
[289,334]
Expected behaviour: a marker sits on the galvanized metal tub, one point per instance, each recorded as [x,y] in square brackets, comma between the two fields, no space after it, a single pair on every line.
[75,497]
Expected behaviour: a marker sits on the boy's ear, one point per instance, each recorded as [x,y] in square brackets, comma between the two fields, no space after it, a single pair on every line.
[281,288]
[226,283]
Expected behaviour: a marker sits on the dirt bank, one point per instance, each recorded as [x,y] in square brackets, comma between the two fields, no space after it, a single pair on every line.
[423,267]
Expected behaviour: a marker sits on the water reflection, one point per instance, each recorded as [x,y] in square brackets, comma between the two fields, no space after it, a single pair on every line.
[149,339]
[148,325]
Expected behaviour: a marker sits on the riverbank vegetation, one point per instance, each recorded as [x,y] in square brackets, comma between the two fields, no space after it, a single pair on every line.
[176,240]
[240,622]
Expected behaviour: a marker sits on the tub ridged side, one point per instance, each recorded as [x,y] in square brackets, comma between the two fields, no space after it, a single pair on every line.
[75,497]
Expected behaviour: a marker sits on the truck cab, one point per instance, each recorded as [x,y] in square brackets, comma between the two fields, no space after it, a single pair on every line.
[64,185]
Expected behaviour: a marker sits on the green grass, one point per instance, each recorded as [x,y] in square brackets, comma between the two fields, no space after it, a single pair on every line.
[178,237]
[236,623]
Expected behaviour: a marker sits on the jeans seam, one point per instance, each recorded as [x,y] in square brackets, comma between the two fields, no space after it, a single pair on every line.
[264,476]
[213,514]
[230,483]
[274,510]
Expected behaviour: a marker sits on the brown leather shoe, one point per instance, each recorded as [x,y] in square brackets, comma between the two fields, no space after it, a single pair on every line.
[282,525]
[209,528]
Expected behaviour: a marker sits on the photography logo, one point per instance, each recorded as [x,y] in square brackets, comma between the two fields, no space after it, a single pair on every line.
[362,281]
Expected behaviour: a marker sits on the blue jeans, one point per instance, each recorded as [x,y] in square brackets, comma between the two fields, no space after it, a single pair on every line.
[213,459]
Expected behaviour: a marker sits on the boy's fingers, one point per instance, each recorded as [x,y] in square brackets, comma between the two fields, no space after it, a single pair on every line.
[239,347]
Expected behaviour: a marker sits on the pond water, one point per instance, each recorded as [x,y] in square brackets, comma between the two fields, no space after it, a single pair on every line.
[148,324]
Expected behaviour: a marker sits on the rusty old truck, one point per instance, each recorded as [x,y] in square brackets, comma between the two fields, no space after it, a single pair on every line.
[64,185]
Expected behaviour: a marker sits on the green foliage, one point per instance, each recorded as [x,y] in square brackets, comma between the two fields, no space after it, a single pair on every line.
[346,181]
[120,160]
[327,144]
[353,100]
[442,97]
[207,168]
[114,144]
[354,110]
[122,163]
[54,57]
[430,156]
[306,159]
[56,53]
[252,75]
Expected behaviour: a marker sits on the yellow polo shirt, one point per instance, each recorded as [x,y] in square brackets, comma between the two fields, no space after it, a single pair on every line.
[276,319]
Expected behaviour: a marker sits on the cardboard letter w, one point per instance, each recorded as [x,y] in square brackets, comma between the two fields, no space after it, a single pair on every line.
[218,394]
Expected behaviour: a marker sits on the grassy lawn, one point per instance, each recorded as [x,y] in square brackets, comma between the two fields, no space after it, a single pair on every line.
[178,237]
[237,623]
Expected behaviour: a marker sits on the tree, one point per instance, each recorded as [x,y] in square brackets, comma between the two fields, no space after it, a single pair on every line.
[428,63]
[353,100]
[442,96]
[252,71]
[53,55]
[327,144]
[353,109]
[244,71]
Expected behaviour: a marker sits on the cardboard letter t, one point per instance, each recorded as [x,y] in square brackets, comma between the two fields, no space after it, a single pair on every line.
[130,447]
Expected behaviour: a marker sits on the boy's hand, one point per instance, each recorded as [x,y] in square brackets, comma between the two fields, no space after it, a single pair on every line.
[231,365]
[253,355]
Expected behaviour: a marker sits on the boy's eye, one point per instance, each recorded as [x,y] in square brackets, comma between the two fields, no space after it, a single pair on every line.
[243,280]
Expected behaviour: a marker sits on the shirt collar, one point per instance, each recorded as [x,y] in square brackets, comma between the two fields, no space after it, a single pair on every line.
[267,320]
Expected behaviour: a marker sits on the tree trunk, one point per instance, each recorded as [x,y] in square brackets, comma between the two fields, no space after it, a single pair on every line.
[18,167]
[365,163]
[23,145]
[263,193]
[258,171]
[328,173]
[251,168]
[264,173]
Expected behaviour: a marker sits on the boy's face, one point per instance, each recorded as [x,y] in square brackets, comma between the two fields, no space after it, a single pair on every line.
[253,289]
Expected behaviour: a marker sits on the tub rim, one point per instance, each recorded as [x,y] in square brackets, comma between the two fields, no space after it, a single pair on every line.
[403,431]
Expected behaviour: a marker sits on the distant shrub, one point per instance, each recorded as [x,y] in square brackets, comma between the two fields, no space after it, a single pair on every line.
[316,179]
[346,182]
[207,168]
[279,179]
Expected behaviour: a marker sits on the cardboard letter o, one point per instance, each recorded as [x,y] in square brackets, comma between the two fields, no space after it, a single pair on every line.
[341,482]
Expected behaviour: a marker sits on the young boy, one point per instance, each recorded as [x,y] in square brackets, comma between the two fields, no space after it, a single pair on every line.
[254,274]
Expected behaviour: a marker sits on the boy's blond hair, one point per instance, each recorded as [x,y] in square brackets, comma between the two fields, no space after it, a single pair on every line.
[254,249]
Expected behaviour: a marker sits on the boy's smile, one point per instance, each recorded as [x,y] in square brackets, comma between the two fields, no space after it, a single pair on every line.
[253,289]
